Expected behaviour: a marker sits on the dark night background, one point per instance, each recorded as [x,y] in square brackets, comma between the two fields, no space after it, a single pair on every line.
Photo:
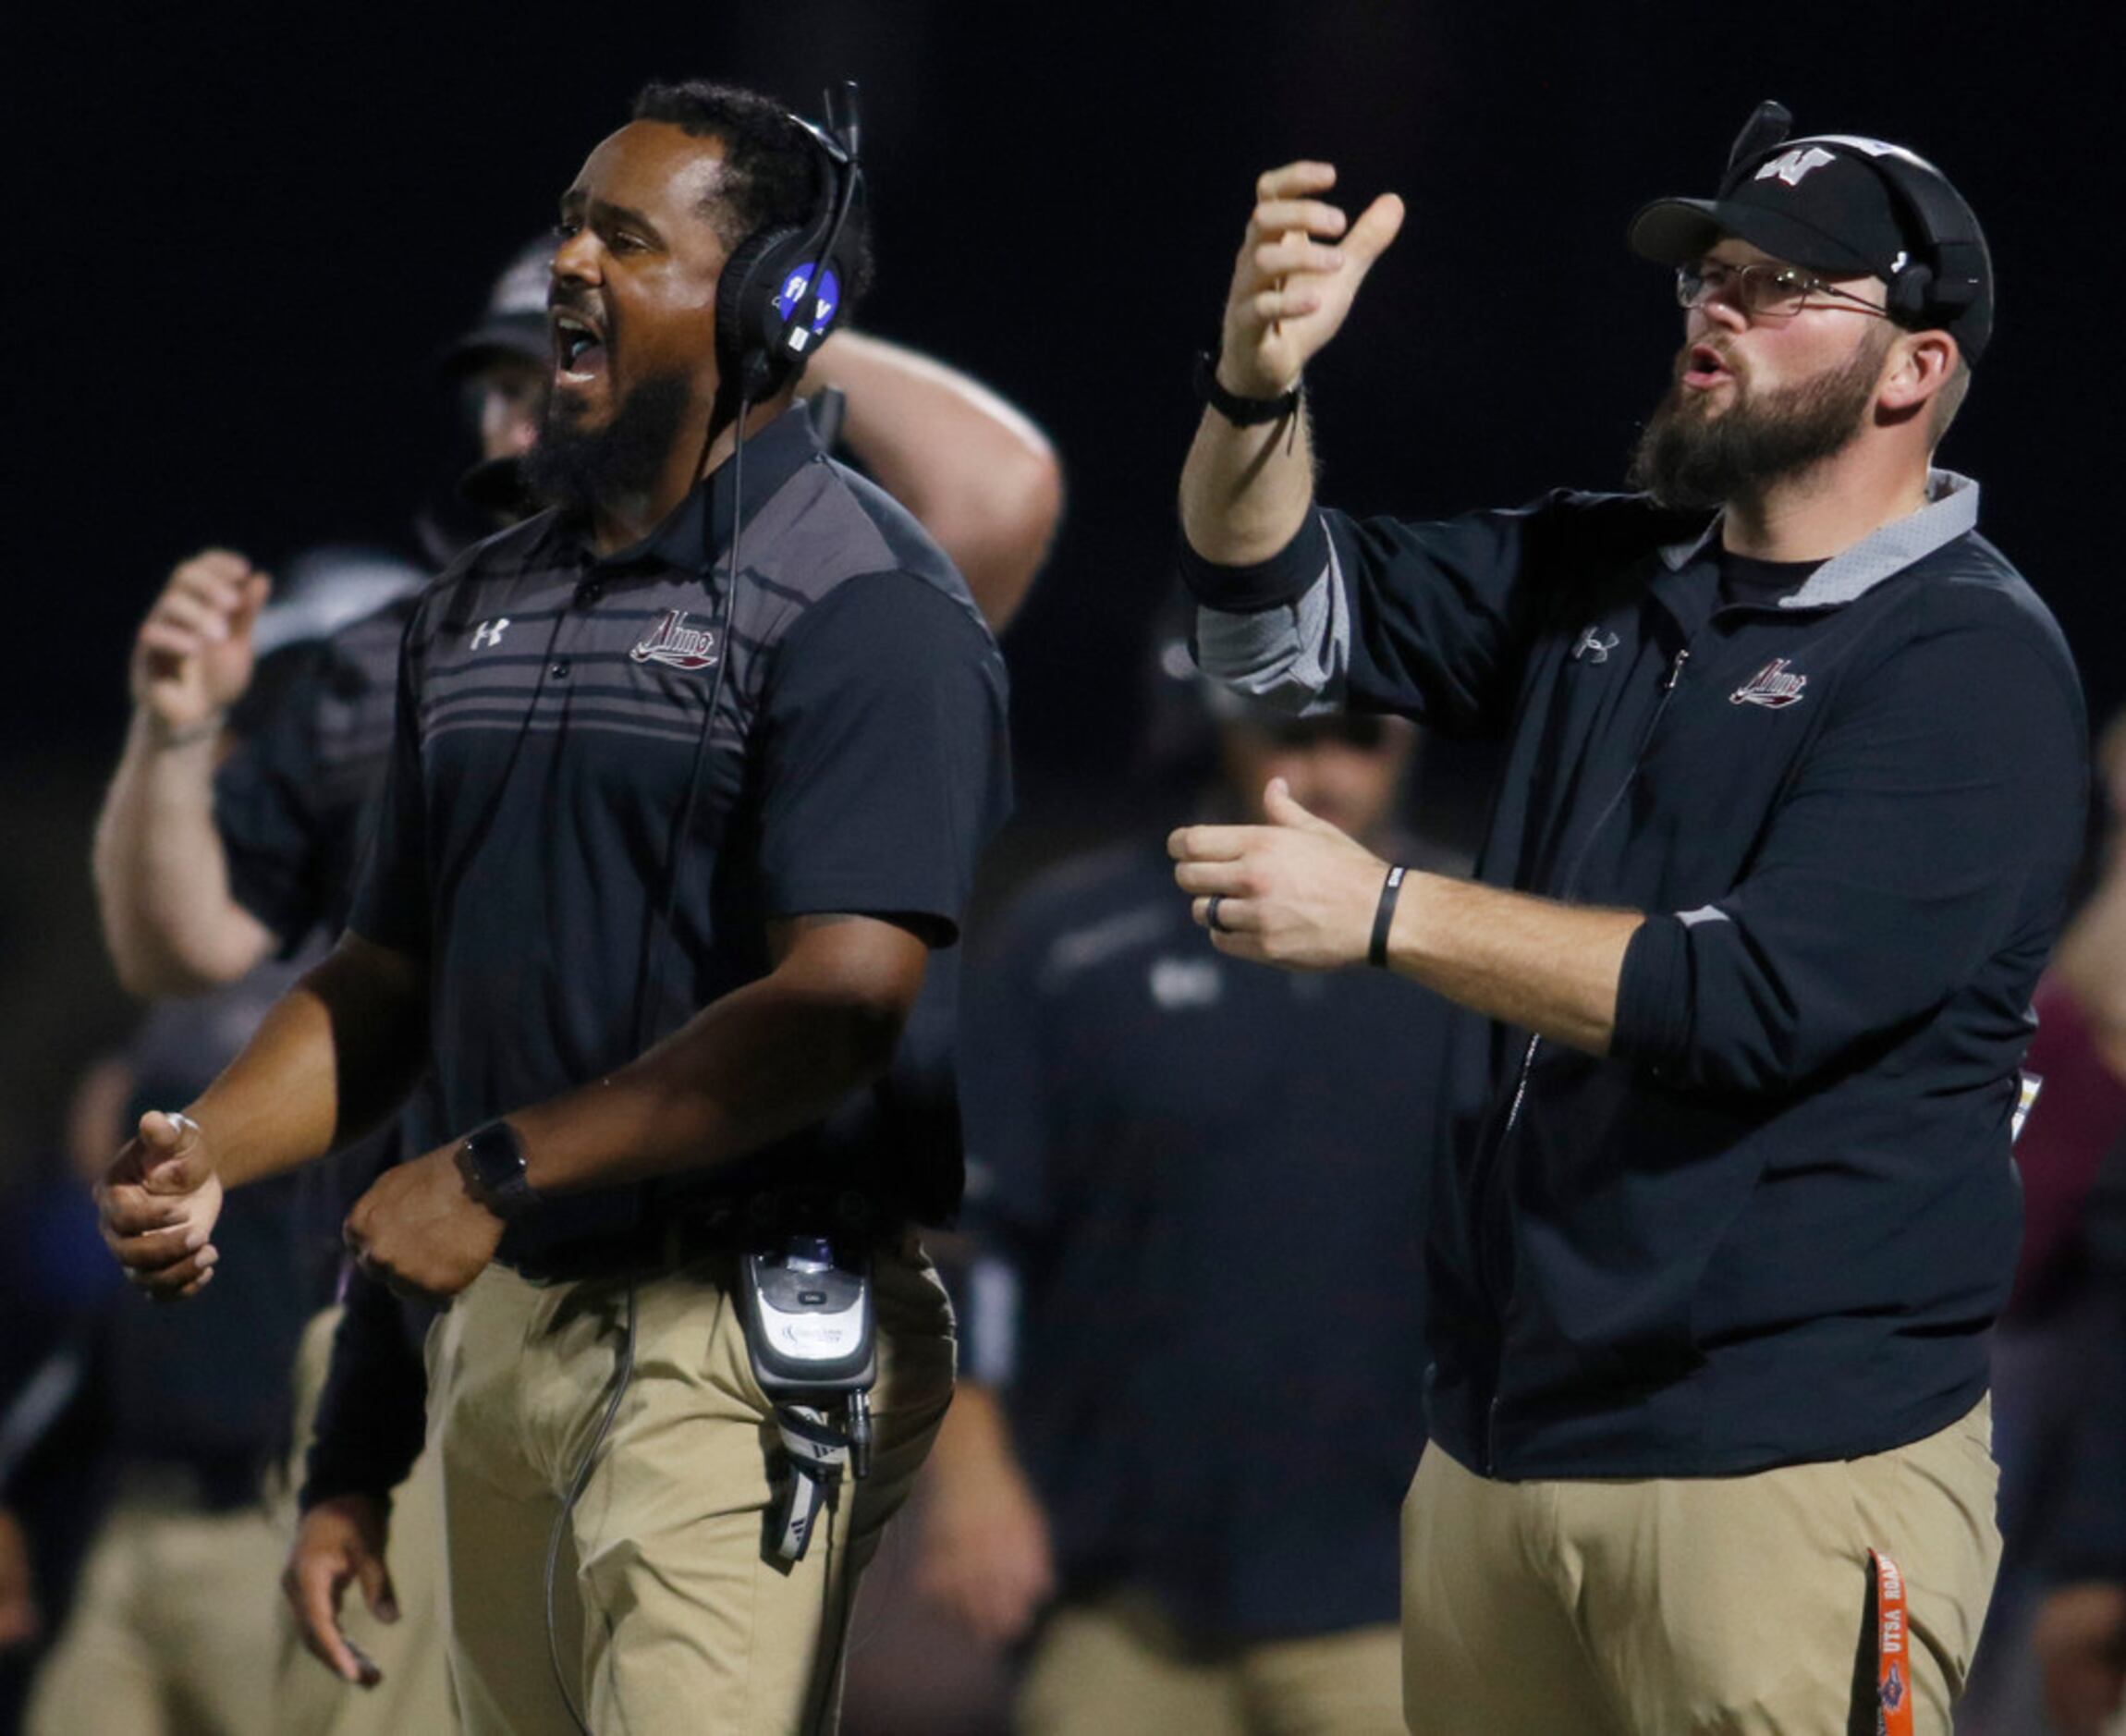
[241,239]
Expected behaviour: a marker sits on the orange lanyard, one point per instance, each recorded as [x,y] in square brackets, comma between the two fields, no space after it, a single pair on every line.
[1892,1649]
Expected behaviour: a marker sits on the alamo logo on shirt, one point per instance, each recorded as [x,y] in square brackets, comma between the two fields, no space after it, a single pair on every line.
[672,642]
[1773,687]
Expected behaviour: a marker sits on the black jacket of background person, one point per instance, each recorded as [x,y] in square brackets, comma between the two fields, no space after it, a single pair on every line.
[551,712]
[1773,1223]
[1206,1177]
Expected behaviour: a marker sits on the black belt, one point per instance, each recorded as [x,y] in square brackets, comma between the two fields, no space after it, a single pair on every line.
[695,1228]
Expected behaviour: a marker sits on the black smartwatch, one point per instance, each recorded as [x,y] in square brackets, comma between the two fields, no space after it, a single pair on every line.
[492,1161]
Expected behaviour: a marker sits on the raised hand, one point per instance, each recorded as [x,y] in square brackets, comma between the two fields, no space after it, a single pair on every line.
[157,1206]
[1295,279]
[192,657]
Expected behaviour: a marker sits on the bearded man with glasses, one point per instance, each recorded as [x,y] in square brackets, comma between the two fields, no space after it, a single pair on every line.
[1794,785]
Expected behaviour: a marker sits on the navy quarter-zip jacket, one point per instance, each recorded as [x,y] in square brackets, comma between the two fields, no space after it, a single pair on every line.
[1774,1223]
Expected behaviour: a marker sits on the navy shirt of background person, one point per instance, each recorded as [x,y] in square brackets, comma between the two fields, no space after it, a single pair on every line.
[1201,1213]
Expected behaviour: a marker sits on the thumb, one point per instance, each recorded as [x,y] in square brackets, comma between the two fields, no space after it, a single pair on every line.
[1283,809]
[257,588]
[174,1156]
[1378,226]
[376,1588]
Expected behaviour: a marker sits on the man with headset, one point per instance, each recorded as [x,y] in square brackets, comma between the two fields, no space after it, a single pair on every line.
[670,828]
[1795,784]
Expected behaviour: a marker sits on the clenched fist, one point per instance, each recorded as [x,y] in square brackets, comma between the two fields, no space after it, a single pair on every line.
[192,657]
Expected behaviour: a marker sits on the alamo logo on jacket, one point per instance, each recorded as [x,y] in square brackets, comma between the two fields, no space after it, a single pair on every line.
[672,641]
[1772,687]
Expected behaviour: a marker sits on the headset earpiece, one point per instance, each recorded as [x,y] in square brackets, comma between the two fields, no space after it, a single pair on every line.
[1910,291]
[782,290]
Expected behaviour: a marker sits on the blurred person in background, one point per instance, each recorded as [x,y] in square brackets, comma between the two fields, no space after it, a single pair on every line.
[922,426]
[2041,1348]
[1191,1394]
[2079,1633]
[169,1628]
[52,1464]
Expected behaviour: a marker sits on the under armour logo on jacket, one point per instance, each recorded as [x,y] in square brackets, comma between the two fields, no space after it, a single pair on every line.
[489,633]
[1592,642]
[1792,166]
[1771,687]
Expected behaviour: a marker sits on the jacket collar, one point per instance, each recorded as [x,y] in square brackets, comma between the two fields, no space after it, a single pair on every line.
[1951,511]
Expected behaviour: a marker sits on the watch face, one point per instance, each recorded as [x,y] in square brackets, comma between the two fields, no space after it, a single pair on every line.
[495,1161]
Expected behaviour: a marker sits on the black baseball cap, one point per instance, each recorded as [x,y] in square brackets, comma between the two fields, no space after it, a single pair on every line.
[513,325]
[1834,204]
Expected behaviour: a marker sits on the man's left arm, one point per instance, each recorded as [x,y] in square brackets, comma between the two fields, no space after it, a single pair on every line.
[883,769]
[1890,870]
[974,469]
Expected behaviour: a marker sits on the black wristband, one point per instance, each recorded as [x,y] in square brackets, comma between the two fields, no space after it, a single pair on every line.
[1383,915]
[1242,412]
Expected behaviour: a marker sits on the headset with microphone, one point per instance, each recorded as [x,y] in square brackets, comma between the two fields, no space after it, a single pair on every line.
[1948,270]
[782,290]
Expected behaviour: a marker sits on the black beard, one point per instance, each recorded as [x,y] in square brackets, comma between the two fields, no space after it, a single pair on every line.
[1687,461]
[573,468]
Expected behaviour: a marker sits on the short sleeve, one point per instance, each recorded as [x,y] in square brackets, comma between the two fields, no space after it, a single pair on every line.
[885,757]
[391,905]
[266,797]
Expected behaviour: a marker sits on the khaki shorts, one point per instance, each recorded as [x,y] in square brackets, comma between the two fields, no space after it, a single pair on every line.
[1675,1605]
[671,1612]
[1118,1665]
[172,1628]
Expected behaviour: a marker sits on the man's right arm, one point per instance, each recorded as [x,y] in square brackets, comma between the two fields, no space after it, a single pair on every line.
[169,919]
[1306,609]
[333,1058]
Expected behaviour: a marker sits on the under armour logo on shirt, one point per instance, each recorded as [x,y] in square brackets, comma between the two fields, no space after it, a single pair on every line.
[1595,643]
[489,633]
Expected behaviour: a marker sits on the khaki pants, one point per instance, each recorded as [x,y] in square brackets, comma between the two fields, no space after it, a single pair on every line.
[172,1629]
[1676,1604]
[414,1698]
[671,1610]
[1118,1667]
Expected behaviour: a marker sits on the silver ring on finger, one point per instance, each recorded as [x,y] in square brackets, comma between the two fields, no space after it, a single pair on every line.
[1211,914]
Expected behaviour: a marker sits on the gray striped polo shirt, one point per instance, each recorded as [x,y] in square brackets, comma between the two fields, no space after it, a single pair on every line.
[557,782]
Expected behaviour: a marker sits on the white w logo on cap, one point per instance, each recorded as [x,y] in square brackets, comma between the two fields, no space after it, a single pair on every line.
[1790,166]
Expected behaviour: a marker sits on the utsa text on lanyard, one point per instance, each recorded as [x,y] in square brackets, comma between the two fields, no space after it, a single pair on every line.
[1892,1649]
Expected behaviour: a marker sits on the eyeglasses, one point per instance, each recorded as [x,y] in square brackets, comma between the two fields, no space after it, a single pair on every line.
[1762,291]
